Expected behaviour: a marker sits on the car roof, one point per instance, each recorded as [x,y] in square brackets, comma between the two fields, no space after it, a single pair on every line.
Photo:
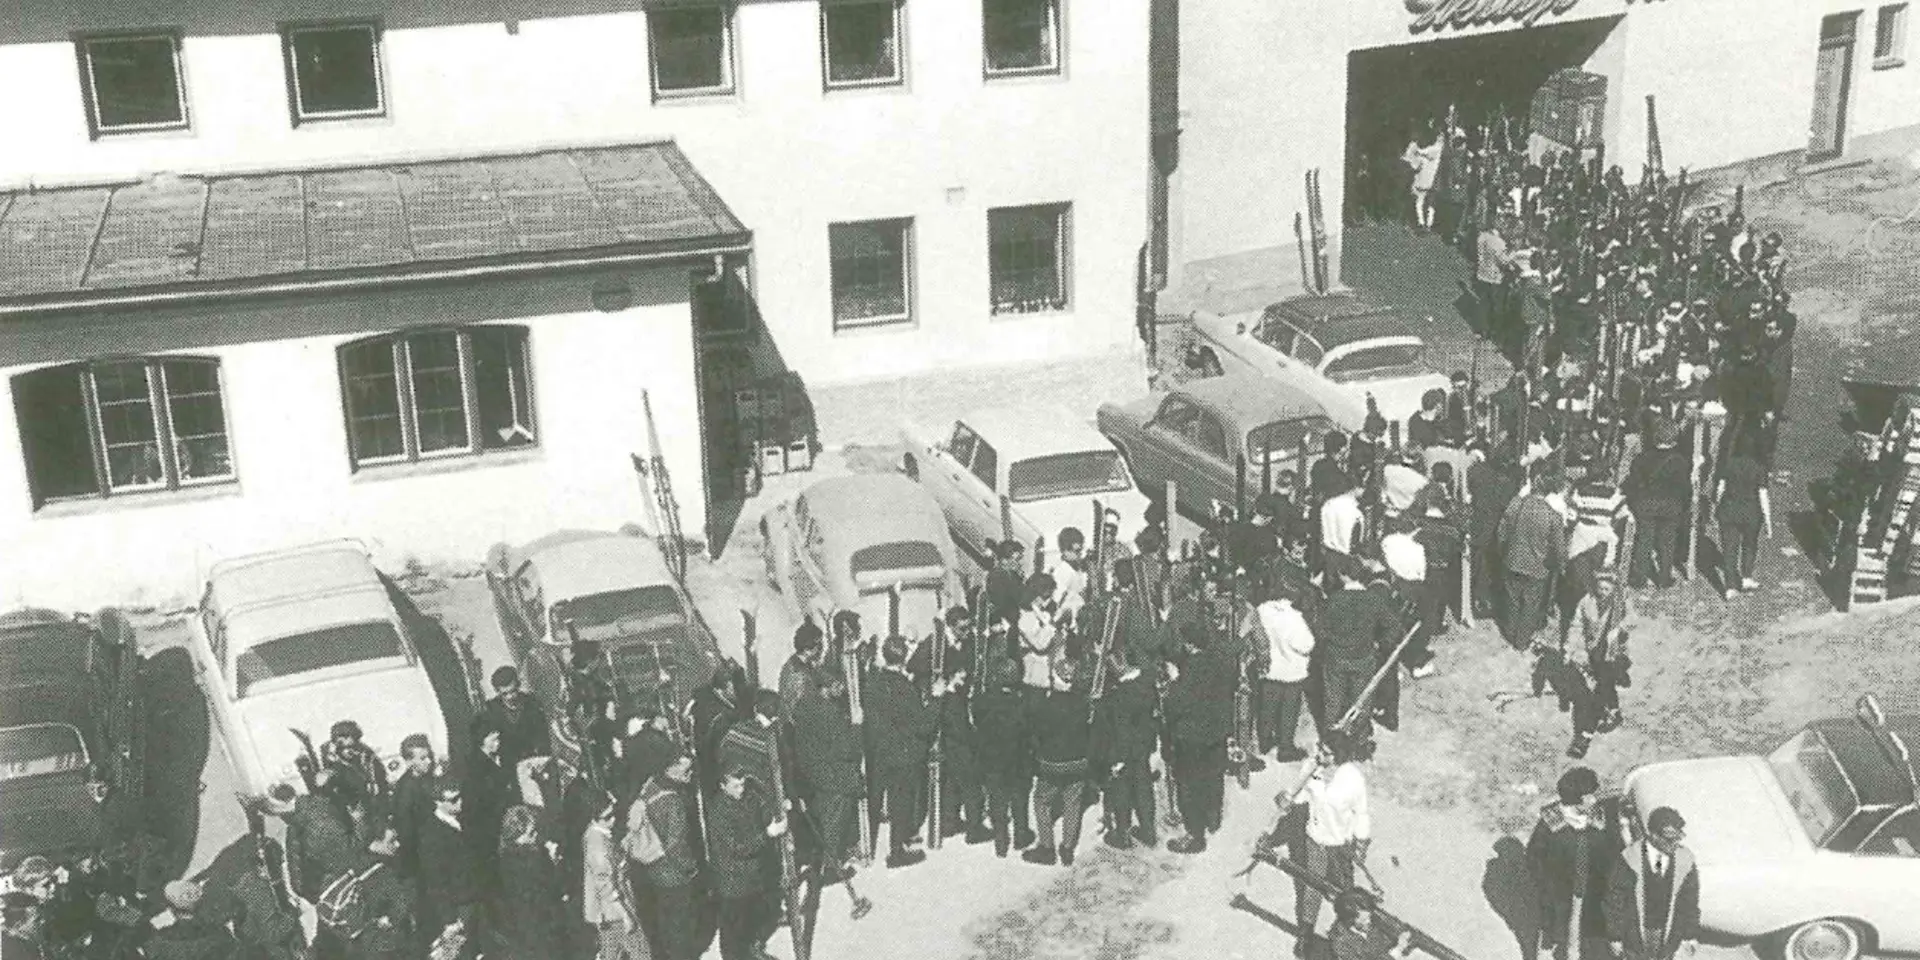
[43,668]
[1880,783]
[1034,430]
[281,576]
[250,625]
[582,563]
[1249,400]
[864,509]
[1339,319]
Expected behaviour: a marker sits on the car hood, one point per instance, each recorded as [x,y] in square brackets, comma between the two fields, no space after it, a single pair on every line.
[387,704]
[48,814]
[1734,808]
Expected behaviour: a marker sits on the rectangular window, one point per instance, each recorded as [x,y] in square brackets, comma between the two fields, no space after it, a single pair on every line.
[692,50]
[872,267]
[1890,36]
[333,71]
[122,426]
[1022,36]
[437,394]
[861,43]
[133,83]
[1030,255]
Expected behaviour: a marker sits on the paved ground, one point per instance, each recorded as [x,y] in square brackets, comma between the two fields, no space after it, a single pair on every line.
[1455,790]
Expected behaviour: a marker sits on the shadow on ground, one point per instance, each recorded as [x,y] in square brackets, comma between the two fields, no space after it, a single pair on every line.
[1508,888]
[176,760]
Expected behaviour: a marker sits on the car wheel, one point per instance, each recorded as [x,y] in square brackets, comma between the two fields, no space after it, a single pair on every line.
[1825,939]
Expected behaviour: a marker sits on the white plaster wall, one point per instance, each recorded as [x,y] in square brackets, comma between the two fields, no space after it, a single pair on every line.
[788,157]
[288,437]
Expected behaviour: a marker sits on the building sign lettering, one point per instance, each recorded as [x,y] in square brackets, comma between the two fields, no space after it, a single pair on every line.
[1440,14]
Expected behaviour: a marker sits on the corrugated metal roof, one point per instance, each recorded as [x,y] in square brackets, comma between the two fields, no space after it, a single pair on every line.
[1337,319]
[176,235]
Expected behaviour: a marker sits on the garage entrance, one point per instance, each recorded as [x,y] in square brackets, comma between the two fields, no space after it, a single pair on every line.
[1392,92]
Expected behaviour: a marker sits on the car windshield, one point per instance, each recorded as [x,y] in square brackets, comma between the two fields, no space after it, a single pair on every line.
[1377,363]
[1066,475]
[336,646]
[1821,795]
[1281,438]
[637,610]
[40,749]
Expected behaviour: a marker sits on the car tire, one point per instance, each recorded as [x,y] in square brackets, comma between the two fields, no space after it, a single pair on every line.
[1824,939]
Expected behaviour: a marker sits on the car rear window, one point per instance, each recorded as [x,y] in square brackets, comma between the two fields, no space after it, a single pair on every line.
[641,608]
[1281,438]
[317,650]
[39,749]
[1372,363]
[896,555]
[1067,475]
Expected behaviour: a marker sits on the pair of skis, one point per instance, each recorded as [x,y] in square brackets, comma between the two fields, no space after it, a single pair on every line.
[1315,269]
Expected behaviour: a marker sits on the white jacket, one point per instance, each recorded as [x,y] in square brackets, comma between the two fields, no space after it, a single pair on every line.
[1289,641]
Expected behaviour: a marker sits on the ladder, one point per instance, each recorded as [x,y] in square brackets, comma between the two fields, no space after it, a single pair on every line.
[1886,528]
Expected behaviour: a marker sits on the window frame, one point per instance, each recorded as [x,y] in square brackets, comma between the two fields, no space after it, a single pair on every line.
[1057,62]
[1894,35]
[1062,214]
[160,413]
[991,462]
[400,356]
[729,46]
[907,317]
[376,34]
[90,90]
[899,77]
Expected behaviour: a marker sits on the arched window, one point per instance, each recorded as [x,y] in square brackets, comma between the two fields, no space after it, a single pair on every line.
[126,425]
[437,393]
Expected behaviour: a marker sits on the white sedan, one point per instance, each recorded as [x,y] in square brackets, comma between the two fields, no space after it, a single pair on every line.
[1023,473]
[1336,348]
[1814,847]
[288,642]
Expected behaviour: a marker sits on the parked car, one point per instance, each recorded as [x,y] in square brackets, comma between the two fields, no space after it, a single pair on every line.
[287,642]
[1815,847]
[611,589]
[847,543]
[1336,348]
[72,734]
[1024,473]
[1195,433]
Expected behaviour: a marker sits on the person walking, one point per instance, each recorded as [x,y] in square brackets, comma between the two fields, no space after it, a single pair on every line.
[1658,487]
[1653,893]
[899,727]
[660,839]
[413,797]
[527,919]
[1059,725]
[1422,158]
[1598,667]
[1289,652]
[1743,509]
[827,751]
[800,675]
[1492,264]
[1567,859]
[448,879]
[743,822]
[1199,719]
[1357,623]
[606,900]
[1124,740]
[1492,484]
[1000,717]
[1338,830]
[1533,544]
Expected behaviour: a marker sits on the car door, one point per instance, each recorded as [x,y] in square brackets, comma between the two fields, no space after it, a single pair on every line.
[810,583]
[942,472]
[208,666]
[1885,872]
[1161,450]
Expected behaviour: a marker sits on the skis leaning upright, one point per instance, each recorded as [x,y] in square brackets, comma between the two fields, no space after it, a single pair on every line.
[856,712]
[1317,216]
[936,672]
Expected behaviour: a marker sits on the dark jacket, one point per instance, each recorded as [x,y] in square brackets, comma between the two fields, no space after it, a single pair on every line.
[1059,722]
[798,680]
[527,917]
[389,898]
[449,875]
[670,812]
[739,829]
[1353,625]
[1634,904]
[1492,489]
[412,808]
[320,844]
[898,723]
[492,786]
[1123,722]
[1533,538]
[1565,861]
[999,719]
[1659,484]
[1199,703]
[191,938]
[826,747]
[645,754]
[523,731]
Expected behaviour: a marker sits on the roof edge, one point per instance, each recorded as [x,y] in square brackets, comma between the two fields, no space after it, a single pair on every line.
[192,293]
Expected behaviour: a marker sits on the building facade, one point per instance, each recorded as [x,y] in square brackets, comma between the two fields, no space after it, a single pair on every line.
[483,231]
[1268,90]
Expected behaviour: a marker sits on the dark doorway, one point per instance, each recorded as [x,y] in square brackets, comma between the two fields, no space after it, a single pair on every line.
[1832,82]
[1392,92]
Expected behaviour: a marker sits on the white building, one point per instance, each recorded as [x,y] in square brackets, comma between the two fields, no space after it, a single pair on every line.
[1268,90]
[403,270]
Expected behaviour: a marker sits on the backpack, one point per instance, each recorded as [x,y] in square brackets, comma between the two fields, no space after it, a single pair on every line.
[343,907]
[643,843]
